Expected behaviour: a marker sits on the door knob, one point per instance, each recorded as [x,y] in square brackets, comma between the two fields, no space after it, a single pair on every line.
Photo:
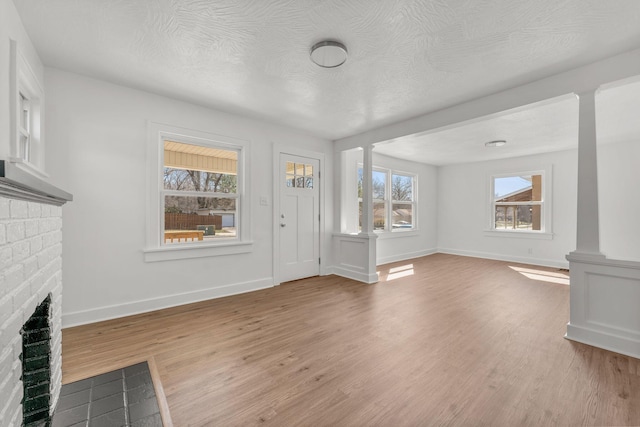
[282,224]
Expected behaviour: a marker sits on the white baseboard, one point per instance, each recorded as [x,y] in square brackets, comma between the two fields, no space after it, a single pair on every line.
[521,260]
[615,343]
[142,306]
[405,256]
[355,275]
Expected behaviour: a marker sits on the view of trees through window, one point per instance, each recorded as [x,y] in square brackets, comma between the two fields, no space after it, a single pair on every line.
[192,180]
[393,199]
[200,189]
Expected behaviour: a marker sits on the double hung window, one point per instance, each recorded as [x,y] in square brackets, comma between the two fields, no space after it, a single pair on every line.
[198,204]
[199,194]
[394,201]
[518,202]
[27,146]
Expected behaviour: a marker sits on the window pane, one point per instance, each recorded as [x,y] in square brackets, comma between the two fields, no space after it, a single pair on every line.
[198,219]
[24,147]
[525,188]
[379,216]
[291,181]
[300,182]
[189,167]
[402,215]
[290,168]
[308,183]
[518,217]
[192,180]
[401,188]
[379,184]
[24,113]
[308,170]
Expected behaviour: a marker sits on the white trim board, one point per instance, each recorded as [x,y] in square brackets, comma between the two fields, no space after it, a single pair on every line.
[611,342]
[405,256]
[521,260]
[99,314]
[143,306]
[355,275]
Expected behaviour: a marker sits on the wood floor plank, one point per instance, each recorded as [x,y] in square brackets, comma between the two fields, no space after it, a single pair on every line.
[440,340]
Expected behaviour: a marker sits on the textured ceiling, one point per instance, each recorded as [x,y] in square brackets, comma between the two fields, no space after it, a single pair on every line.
[251,57]
[541,128]
[544,127]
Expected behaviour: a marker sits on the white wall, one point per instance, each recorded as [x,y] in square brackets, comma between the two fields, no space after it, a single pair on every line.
[11,28]
[397,246]
[619,200]
[97,139]
[463,210]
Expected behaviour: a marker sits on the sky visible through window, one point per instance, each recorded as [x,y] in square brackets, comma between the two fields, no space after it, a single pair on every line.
[510,184]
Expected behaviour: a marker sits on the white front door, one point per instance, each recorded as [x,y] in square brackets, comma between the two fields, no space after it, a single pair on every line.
[299,219]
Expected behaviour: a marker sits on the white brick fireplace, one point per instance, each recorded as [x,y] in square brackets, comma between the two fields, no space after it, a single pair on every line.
[30,237]
[30,270]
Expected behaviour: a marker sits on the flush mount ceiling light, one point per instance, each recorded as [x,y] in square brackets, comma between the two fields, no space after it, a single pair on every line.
[328,54]
[496,143]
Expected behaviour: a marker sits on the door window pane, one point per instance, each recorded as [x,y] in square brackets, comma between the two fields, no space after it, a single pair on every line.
[299,175]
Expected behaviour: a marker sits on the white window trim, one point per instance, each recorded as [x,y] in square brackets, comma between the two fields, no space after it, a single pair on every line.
[23,80]
[414,201]
[155,250]
[546,218]
[389,231]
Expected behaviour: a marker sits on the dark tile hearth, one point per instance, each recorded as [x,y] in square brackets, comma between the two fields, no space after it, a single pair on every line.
[124,397]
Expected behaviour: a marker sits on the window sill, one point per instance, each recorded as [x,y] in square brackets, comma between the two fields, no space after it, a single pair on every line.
[29,167]
[398,233]
[383,234]
[519,234]
[188,251]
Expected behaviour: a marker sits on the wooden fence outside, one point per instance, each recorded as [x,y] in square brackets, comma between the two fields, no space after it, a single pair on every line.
[179,221]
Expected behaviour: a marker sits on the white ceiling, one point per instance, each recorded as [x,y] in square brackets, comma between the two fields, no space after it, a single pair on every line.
[541,128]
[406,58]
[544,127]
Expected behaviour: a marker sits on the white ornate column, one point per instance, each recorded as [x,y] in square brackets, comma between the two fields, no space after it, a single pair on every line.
[604,293]
[367,190]
[367,213]
[588,227]
[355,253]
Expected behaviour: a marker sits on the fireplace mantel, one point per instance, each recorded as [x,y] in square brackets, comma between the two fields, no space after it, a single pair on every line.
[16,183]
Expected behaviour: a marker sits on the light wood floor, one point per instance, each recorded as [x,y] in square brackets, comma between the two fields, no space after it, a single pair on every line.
[456,341]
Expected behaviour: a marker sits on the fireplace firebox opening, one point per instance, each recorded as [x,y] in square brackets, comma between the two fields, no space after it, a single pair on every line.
[36,366]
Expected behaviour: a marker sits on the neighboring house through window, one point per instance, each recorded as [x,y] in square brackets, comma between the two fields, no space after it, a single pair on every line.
[519,202]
